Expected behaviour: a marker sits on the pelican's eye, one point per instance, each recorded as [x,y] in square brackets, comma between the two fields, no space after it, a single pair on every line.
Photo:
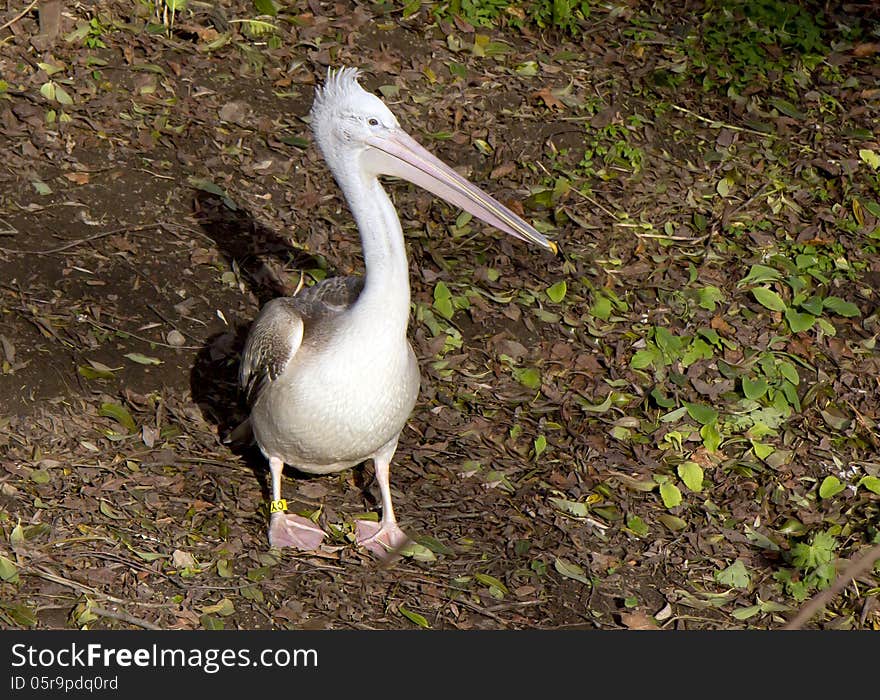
[372,121]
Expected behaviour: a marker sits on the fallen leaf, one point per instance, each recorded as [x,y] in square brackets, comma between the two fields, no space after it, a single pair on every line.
[638,621]
[79,178]
[549,99]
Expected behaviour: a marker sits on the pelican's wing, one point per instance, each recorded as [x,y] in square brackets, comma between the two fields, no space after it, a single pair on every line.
[330,297]
[273,340]
[277,333]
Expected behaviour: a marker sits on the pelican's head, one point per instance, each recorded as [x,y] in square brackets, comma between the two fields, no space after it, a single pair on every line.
[345,116]
[357,132]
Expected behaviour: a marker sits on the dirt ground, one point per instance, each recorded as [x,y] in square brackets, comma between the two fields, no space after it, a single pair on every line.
[147,219]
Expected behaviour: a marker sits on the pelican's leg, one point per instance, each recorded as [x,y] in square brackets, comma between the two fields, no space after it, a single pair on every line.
[286,529]
[385,536]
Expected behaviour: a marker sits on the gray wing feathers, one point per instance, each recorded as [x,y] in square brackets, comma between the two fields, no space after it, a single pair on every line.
[274,338]
[330,297]
[277,332]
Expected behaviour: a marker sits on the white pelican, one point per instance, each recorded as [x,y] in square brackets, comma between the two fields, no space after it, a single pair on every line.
[329,374]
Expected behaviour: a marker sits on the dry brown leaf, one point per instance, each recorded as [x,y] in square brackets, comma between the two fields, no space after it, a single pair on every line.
[866,49]
[638,621]
[78,178]
[549,99]
[502,170]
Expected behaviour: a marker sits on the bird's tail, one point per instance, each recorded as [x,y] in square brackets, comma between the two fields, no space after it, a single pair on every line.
[242,434]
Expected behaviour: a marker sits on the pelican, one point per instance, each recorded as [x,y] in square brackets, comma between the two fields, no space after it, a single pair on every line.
[328,374]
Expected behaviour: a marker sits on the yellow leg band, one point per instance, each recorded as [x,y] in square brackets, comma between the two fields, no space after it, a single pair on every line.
[279,506]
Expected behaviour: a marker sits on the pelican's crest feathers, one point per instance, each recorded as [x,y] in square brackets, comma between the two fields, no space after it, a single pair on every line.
[339,84]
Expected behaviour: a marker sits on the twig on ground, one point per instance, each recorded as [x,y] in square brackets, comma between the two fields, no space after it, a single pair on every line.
[123,616]
[718,124]
[80,241]
[19,15]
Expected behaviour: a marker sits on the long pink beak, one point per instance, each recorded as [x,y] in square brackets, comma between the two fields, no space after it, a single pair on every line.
[399,154]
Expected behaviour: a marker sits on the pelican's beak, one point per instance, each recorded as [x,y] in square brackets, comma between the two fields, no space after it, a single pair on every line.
[399,154]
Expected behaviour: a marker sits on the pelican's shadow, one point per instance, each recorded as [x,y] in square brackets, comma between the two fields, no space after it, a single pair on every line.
[252,250]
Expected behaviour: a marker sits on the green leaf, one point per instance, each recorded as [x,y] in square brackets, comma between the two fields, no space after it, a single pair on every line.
[674,416]
[735,576]
[710,335]
[724,186]
[708,297]
[830,486]
[417,551]
[142,359]
[492,582]
[758,274]
[557,291]
[529,69]
[673,522]
[670,345]
[638,526]
[575,508]
[120,414]
[745,613]
[443,300]
[21,614]
[8,570]
[816,554]
[699,349]
[670,494]
[94,372]
[41,187]
[769,299]
[840,307]
[62,96]
[762,450]
[224,608]
[47,90]
[296,141]
[149,556]
[661,399]
[570,570]
[16,537]
[691,474]
[265,7]
[643,358]
[81,31]
[40,476]
[812,305]
[787,108]
[827,327]
[540,445]
[206,185]
[528,377]
[799,322]
[789,371]
[211,622]
[596,408]
[410,8]
[754,389]
[789,390]
[414,617]
[432,544]
[704,415]
[110,511]
[870,157]
[601,307]
[711,437]
[872,483]
[49,68]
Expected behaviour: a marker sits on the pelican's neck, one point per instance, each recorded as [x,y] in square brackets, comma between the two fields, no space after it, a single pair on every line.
[386,291]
